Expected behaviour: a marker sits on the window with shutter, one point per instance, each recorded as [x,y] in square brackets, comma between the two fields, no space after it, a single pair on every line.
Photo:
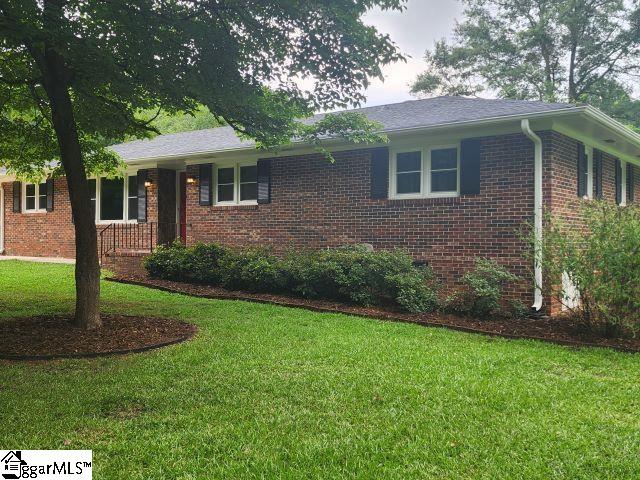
[35,197]
[425,172]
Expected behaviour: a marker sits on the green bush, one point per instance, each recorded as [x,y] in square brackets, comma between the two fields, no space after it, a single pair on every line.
[482,291]
[350,274]
[602,261]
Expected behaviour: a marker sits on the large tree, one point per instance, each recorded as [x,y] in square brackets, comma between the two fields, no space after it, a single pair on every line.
[551,50]
[75,75]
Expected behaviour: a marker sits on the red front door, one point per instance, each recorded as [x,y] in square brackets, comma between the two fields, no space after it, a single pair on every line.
[183,207]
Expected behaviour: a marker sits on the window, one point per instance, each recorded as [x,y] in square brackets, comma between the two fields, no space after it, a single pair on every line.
[444,170]
[237,184]
[248,183]
[132,197]
[111,199]
[408,173]
[92,193]
[429,172]
[35,197]
[116,199]
[226,184]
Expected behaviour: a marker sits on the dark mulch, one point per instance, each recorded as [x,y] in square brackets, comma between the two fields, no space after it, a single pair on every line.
[48,337]
[560,330]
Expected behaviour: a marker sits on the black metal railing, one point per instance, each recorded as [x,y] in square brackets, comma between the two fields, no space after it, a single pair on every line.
[138,237]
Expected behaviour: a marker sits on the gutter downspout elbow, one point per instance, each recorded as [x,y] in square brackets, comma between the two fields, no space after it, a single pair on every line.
[537,212]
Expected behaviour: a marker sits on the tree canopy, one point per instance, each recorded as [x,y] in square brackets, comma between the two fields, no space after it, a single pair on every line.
[77,75]
[580,51]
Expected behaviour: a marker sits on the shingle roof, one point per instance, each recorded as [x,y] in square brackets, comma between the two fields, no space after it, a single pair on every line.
[410,114]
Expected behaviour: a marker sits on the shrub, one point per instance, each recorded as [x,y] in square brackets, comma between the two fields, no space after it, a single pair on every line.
[482,291]
[352,274]
[172,262]
[415,291]
[601,260]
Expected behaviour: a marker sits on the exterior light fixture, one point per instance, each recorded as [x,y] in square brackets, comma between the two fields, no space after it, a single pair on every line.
[191,180]
[148,183]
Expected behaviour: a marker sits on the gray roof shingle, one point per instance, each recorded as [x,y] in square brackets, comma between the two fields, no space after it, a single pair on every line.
[410,114]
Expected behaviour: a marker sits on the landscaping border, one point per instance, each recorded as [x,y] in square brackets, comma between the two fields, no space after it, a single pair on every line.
[380,314]
[91,355]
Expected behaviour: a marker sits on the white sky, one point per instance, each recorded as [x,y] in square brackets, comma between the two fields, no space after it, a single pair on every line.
[414,30]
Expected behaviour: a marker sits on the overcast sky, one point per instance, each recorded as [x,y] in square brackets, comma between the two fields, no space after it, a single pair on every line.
[414,30]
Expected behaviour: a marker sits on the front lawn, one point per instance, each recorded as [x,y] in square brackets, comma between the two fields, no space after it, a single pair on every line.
[272,392]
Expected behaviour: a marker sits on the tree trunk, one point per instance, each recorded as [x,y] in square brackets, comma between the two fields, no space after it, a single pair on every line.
[87,314]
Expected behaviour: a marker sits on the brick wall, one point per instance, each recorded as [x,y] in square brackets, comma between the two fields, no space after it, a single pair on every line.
[51,234]
[317,204]
[561,185]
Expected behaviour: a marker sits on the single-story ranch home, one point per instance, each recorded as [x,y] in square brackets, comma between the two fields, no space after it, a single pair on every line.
[457,181]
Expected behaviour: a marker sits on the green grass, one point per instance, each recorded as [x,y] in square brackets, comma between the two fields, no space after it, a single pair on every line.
[272,392]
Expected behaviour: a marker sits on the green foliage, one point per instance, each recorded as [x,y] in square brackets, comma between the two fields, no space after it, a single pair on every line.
[482,291]
[551,50]
[350,274]
[166,123]
[602,260]
[122,61]
[351,126]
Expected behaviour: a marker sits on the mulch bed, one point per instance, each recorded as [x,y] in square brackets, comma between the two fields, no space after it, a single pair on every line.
[559,330]
[49,337]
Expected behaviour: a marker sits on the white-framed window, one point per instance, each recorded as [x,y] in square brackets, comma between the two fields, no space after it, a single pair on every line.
[113,198]
[236,183]
[34,198]
[132,197]
[425,172]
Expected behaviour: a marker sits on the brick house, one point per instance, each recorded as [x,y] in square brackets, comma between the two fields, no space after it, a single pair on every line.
[457,180]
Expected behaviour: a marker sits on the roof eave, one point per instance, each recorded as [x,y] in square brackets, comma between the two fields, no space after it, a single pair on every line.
[419,129]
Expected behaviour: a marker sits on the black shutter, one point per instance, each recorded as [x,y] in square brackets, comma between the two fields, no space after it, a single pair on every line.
[204,184]
[17,197]
[618,181]
[380,173]
[141,178]
[582,171]
[50,188]
[597,173]
[470,166]
[264,180]
[630,183]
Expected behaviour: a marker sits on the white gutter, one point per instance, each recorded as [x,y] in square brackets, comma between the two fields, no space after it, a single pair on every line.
[537,211]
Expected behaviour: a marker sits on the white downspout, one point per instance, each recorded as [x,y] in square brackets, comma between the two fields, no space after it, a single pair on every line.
[537,211]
